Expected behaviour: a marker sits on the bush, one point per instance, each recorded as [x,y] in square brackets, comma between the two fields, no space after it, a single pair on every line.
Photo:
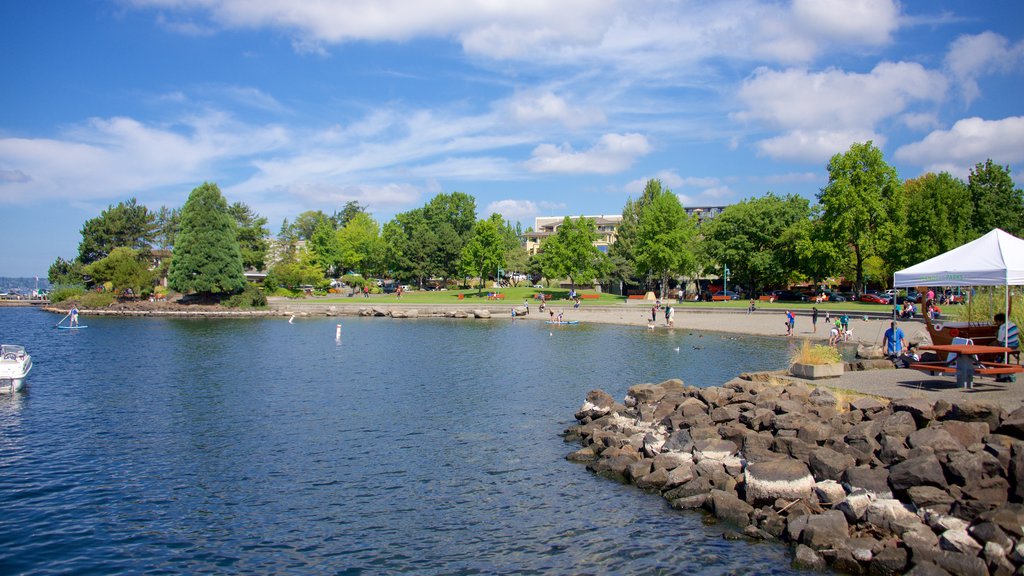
[250,297]
[61,293]
[96,299]
[817,354]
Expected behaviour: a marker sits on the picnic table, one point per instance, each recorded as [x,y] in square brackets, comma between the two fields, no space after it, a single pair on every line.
[966,363]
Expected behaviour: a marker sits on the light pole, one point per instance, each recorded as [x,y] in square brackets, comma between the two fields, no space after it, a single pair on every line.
[725,284]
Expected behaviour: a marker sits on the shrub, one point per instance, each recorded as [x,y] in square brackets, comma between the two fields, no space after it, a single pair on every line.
[250,297]
[61,293]
[817,354]
[96,299]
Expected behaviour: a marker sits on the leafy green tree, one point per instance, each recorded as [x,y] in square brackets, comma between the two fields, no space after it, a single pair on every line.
[305,224]
[485,251]
[939,209]
[124,268]
[408,243]
[360,244]
[325,249]
[753,239]
[253,236]
[65,272]
[995,201]
[206,256]
[451,218]
[128,224]
[351,209]
[570,252]
[622,252]
[863,207]
[664,238]
[298,269]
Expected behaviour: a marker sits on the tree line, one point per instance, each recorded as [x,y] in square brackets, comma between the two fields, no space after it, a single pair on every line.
[865,224]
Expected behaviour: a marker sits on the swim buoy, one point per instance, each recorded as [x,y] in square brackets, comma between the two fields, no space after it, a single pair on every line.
[938,327]
[954,332]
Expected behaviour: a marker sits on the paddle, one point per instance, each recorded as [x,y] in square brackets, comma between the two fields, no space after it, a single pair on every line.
[61,320]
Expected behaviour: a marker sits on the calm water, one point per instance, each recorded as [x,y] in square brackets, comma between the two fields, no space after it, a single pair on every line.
[422,446]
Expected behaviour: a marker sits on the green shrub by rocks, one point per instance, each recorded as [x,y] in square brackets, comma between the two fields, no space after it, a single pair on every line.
[96,299]
[250,297]
[62,293]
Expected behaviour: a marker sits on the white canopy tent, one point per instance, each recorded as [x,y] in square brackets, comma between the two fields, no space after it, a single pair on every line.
[995,259]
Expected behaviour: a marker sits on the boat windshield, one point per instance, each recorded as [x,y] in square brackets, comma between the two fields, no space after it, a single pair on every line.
[9,351]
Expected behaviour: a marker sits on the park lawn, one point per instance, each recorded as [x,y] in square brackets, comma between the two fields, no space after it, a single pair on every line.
[512,296]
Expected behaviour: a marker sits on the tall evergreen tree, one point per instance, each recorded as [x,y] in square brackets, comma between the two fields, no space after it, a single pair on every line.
[252,233]
[206,257]
[129,224]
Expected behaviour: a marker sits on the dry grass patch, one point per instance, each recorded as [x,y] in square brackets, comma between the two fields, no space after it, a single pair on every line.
[816,354]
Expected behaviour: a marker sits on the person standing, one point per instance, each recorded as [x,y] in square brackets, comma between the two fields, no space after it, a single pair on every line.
[671,317]
[74,316]
[814,320]
[790,322]
[894,342]
[654,314]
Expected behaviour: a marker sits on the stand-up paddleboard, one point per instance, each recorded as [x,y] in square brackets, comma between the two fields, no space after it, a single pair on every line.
[563,322]
[71,327]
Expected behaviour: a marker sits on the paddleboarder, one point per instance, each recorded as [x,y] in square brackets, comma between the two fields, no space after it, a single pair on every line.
[74,316]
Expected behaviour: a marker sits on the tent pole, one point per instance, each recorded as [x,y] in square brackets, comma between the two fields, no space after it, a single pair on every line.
[1006,310]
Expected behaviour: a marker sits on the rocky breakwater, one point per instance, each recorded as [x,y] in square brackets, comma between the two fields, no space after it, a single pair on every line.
[864,486]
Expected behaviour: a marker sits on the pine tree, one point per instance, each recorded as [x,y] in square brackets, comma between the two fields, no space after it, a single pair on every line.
[206,259]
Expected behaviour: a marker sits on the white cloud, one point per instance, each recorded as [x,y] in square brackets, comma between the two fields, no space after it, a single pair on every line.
[715,196]
[672,180]
[613,153]
[869,22]
[920,120]
[973,56]
[547,107]
[814,145]
[514,210]
[789,178]
[968,142]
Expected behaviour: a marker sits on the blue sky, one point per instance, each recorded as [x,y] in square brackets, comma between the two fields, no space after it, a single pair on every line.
[533,107]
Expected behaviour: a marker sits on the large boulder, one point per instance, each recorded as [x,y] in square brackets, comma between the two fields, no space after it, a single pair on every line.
[922,410]
[597,404]
[481,313]
[767,481]
[975,411]
[727,506]
[921,471]
[827,530]
[937,439]
[827,464]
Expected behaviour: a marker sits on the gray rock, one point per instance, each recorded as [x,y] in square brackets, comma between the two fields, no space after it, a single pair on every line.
[900,424]
[924,470]
[695,487]
[597,404]
[827,530]
[829,492]
[639,469]
[892,450]
[807,558]
[585,454]
[855,505]
[681,475]
[481,313]
[827,464]
[959,541]
[966,434]
[892,515]
[671,460]
[727,506]
[713,448]
[715,395]
[965,468]
[974,411]
[1013,424]
[1009,517]
[888,562]
[691,407]
[870,352]
[992,533]
[927,569]
[952,562]
[725,414]
[758,418]
[679,441]
[1016,471]
[694,502]
[930,497]
[814,432]
[653,481]
[922,410]
[939,440]
[874,480]
[868,404]
[767,481]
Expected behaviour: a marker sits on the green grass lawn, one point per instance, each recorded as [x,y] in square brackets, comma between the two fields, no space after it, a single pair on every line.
[516,296]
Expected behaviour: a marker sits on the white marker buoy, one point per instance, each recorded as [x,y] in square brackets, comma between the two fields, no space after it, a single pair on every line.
[292,319]
[337,333]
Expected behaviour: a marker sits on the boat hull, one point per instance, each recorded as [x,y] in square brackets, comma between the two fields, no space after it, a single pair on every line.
[982,334]
[13,373]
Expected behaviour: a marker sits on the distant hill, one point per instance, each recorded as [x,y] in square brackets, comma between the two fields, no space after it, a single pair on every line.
[22,285]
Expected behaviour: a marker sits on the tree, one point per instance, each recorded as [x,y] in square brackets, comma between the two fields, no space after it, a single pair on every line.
[252,234]
[325,249]
[295,270]
[863,207]
[128,224]
[994,200]
[167,222]
[206,256]
[359,242]
[407,245]
[451,218]
[65,272]
[664,235]
[570,252]
[351,209]
[124,268]
[484,252]
[757,239]
[940,210]
[305,224]
[622,252]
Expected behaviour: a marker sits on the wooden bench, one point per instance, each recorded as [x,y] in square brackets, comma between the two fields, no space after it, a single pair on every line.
[933,367]
[493,296]
[766,298]
[717,298]
[589,296]
[987,369]
[636,297]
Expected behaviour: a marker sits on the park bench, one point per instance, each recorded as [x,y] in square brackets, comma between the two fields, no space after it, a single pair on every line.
[589,296]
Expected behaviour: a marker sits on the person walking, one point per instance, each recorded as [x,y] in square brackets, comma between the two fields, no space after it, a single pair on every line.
[814,320]
[790,322]
[894,342]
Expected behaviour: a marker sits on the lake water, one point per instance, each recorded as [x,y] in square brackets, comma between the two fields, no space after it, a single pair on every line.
[151,445]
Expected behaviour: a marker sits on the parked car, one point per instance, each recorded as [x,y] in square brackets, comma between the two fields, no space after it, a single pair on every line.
[874,298]
[788,296]
[732,295]
[835,296]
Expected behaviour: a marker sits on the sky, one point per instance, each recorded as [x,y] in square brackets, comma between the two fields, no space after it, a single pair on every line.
[533,107]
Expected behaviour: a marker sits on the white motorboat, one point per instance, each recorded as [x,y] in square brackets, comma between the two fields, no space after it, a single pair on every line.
[15,365]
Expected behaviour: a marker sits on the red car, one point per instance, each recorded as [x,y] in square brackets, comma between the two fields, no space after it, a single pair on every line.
[875,298]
